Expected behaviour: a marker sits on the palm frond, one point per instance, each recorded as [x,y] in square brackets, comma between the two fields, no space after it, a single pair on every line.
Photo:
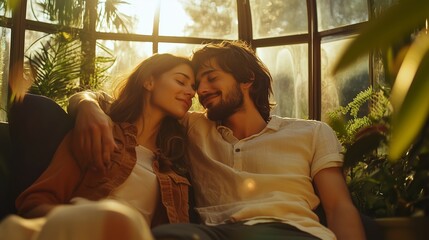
[55,68]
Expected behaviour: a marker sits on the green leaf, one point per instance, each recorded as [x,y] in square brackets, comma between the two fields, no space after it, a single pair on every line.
[366,143]
[409,119]
[395,23]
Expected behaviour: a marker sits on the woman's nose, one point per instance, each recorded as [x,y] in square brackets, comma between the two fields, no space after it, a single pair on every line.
[190,91]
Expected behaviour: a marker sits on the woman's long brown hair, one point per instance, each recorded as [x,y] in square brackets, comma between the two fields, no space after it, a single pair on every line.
[171,139]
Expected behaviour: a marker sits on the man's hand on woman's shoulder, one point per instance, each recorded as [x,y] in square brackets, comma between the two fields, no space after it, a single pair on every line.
[92,140]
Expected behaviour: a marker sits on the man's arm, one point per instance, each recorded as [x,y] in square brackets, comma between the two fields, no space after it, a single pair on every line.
[92,133]
[342,216]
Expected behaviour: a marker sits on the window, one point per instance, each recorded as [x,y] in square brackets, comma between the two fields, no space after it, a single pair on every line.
[289,68]
[298,40]
[4,70]
[340,89]
[278,18]
[336,13]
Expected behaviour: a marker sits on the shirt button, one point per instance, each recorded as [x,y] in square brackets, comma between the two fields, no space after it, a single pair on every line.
[237,150]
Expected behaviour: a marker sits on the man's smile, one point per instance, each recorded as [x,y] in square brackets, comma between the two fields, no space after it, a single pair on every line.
[208,98]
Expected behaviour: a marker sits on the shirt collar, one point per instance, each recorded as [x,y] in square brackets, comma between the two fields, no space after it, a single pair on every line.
[227,134]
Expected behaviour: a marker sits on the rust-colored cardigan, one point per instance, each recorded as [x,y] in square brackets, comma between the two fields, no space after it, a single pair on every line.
[67,177]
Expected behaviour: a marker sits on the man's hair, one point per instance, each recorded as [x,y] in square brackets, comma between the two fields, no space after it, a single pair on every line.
[239,59]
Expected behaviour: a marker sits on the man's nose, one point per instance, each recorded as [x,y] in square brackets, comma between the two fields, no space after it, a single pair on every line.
[203,87]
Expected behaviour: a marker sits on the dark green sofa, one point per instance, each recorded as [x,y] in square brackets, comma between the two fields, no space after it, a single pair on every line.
[6,205]
[27,142]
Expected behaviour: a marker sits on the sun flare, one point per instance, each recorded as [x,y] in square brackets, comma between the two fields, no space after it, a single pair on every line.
[173,18]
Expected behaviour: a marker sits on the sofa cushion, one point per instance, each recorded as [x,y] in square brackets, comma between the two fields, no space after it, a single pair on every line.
[37,125]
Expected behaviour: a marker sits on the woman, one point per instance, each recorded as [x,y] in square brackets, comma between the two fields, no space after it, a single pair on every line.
[147,173]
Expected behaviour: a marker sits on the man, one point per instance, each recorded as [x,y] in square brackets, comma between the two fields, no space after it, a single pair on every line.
[255,176]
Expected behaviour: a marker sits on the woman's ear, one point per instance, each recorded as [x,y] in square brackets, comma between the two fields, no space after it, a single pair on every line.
[149,84]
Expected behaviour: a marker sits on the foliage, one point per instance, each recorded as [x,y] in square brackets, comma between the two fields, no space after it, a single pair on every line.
[399,186]
[55,68]
[72,12]
[103,62]
[380,188]
[408,67]
[85,14]
[347,120]
[66,61]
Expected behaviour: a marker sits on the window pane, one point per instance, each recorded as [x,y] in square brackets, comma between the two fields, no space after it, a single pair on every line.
[128,56]
[35,12]
[289,68]
[381,5]
[179,49]
[32,41]
[337,13]
[3,11]
[199,18]
[343,87]
[273,18]
[136,15]
[4,74]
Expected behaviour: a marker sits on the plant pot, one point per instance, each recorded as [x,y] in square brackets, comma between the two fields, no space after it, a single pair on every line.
[404,228]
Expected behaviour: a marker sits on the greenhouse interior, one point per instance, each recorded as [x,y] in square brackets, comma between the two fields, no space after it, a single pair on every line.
[344,63]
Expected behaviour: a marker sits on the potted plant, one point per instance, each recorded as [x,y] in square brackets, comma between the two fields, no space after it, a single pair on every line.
[395,193]
[387,153]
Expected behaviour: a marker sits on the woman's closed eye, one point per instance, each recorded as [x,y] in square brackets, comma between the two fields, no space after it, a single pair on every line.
[180,82]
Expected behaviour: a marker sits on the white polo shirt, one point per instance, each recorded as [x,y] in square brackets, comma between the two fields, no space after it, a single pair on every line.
[263,178]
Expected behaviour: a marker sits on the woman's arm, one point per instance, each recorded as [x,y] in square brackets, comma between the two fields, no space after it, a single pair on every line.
[54,187]
[342,216]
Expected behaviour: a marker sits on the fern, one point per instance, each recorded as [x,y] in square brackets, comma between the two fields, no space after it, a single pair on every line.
[367,108]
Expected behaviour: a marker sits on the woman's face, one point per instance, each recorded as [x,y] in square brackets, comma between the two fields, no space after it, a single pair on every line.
[173,91]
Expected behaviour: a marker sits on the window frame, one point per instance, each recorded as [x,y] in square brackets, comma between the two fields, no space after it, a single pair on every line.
[19,24]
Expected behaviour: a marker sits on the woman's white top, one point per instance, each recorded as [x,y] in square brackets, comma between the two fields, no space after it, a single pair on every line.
[141,189]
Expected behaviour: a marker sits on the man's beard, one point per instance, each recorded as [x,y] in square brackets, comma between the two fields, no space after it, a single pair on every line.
[225,108]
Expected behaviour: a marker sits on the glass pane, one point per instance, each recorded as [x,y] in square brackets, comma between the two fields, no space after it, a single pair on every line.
[337,13]
[344,86]
[3,10]
[4,71]
[128,55]
[381,5]
[179,49]
[35,12]
[273,18]
[136,15]
[197,18]
[289,68]
[33,41]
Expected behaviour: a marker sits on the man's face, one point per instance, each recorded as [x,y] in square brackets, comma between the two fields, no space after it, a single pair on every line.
[218,91]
